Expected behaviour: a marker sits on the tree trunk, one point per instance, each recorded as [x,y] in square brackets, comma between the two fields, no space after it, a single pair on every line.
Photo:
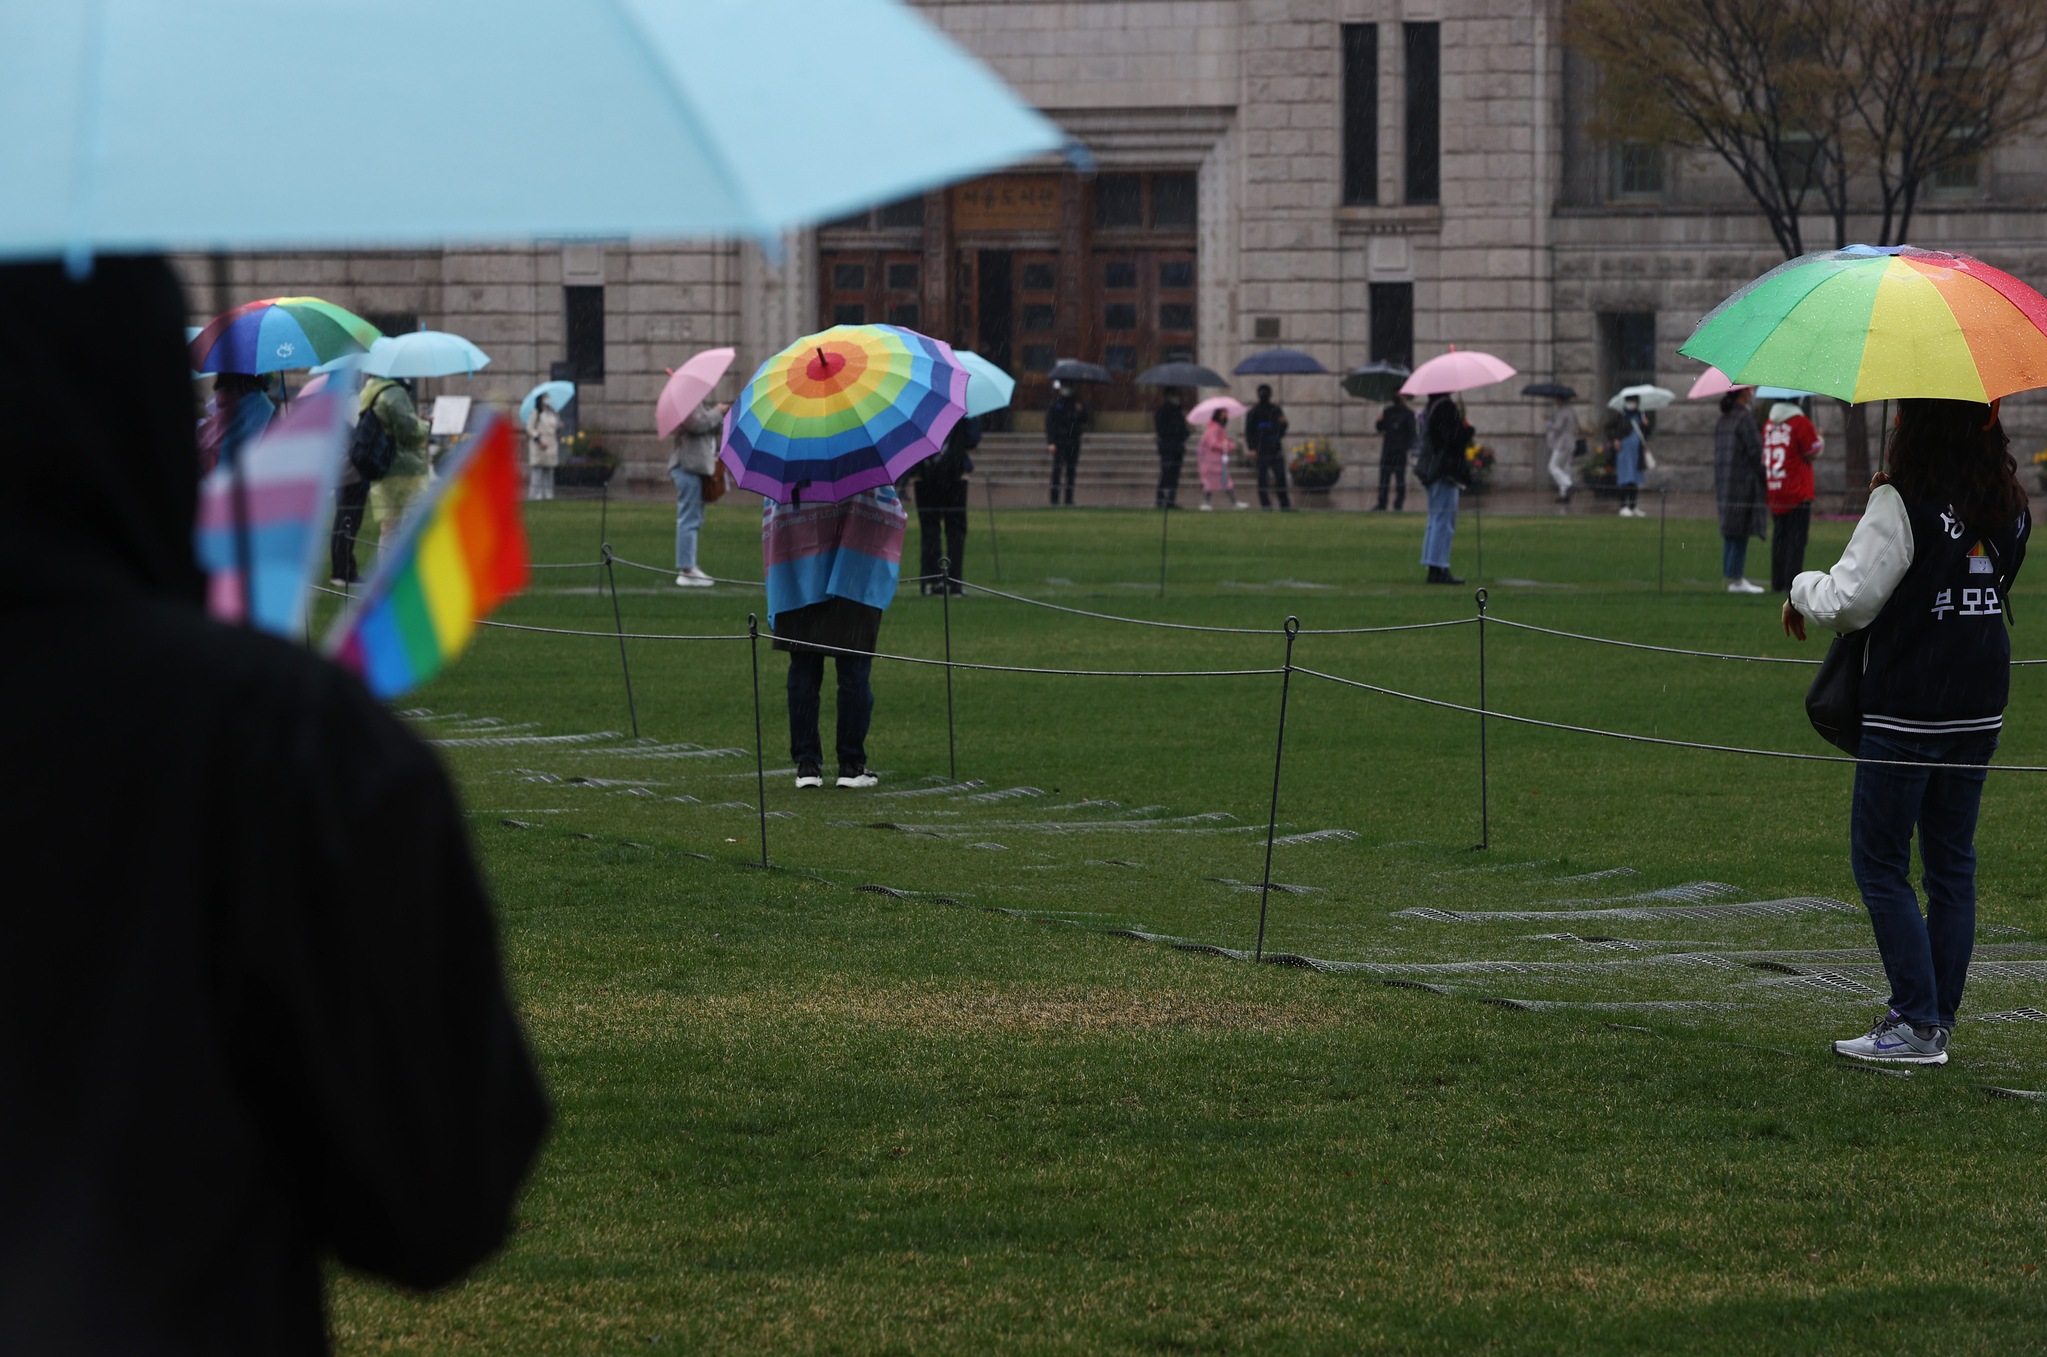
[1855,460]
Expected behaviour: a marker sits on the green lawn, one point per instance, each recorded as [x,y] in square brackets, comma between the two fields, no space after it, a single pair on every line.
[972,1112]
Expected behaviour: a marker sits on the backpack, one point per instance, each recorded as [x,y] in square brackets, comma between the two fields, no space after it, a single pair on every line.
[371,448]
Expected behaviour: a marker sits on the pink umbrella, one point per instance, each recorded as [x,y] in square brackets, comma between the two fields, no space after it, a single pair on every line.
[1199,415]
[1457,370]
[687,387]
[1712,382]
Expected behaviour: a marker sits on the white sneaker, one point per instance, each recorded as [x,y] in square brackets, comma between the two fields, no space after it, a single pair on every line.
[808,775]
[694,578]
[1626,512]
[1742,586]
[1242,505]
[863,778]
[1207,508]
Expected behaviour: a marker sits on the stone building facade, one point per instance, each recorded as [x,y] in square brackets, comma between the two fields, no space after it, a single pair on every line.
[1355,178]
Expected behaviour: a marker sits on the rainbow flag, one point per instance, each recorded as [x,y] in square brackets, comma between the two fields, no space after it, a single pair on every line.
[462,553]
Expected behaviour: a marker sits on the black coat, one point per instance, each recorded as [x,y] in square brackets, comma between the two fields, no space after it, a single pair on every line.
[251,1008]
[1064,422]
[1397,425]
[1169,422]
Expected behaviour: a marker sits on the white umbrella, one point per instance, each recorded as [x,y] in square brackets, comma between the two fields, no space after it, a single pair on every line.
[1652,397]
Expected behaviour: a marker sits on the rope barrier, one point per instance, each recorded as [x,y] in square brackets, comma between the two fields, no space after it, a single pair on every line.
[1189,626]
[1654,739]
[1637,645]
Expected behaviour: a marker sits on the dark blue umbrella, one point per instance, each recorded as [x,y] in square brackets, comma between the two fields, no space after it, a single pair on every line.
[1181,374]
[1074,370]
[1278,362]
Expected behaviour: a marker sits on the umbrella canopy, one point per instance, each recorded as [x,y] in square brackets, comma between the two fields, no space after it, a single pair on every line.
[277,334]
[988,386]
[424,353]
[1781,393]
[1457,370]
[1867,324]
[1277,363]
[1712,382]
[1375,381]
[844,411]
[665,143]
[558,394]
[1652,397]
[1181,374]
[687,387]
[1073,370]
[1550,391]
[1201,413]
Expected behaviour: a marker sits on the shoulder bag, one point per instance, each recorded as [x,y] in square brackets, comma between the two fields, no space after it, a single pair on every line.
[1834,702]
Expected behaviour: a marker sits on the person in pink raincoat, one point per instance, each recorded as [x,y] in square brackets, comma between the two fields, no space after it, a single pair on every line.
[1216,447]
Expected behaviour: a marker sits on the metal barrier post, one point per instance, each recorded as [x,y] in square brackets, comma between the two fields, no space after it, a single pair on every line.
[1662,530]
[952,761]
[1485,837]
[1165,523]
[994,543]
[618,622]
[1293,626]
[760,776]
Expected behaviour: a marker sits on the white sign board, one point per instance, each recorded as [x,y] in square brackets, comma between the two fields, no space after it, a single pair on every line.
[451,414]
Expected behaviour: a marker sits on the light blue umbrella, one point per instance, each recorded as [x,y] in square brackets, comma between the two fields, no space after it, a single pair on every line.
[682,118]
[558,394]
[988,386]
[423,353]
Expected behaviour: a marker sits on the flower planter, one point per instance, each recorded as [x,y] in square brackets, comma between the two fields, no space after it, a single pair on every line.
[577,471]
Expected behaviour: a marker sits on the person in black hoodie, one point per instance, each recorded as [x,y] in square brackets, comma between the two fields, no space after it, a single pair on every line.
[252,1016]
[1065,421]
[1169,421]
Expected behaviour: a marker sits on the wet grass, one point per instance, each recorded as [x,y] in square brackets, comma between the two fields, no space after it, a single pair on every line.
[799,1116]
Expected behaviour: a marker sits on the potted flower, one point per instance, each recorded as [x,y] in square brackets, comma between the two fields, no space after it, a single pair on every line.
[1596,470]
[585,460]
[1480,459]
[1314,469]
[2040,467]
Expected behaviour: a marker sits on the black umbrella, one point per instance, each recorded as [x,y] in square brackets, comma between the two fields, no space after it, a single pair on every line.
[1277,362]
[1181,374]
[1375,381]
[1073,370]
[1552,391]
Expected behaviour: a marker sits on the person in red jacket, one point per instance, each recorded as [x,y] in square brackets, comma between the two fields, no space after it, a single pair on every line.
[1790,445]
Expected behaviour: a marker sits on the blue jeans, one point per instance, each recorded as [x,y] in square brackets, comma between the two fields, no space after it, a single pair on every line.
[1733,557]
[1442,529]
[689,515]
[856,707]
[1926,959]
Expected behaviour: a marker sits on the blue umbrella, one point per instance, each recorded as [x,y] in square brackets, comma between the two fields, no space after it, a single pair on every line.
[423,353]
[988,386]
[682,119]
[558,395]
[1278,362]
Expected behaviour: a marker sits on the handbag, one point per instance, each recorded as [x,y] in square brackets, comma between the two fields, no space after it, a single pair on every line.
[714,485]
[1834,702]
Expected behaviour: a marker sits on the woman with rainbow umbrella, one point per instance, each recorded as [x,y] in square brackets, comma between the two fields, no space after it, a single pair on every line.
[823,432]
[1916,685]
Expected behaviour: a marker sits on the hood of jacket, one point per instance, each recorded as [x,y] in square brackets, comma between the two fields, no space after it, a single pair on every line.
[106,464]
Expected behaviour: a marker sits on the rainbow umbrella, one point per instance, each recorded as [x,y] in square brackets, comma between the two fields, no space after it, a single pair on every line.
[844,411]
[1868,324]
[278,334]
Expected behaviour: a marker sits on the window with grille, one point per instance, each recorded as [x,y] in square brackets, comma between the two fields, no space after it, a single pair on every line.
[1360,114]
[1637,170]
[584,317]
[1424,113]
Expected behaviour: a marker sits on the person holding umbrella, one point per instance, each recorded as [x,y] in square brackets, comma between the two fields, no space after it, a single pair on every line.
[1791,444]
[1214,453]
[1169,421]
[389,401]
[1397,433]
[543,443]
[1739,485]
[1264,427]
[1065,421]
[1627,462]
[822,433]
[1561,433]
[1444,470]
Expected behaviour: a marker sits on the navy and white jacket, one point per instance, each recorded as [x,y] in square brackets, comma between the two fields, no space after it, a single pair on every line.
[1931,591]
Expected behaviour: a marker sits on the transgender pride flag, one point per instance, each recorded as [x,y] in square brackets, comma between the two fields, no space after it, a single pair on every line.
[288,477]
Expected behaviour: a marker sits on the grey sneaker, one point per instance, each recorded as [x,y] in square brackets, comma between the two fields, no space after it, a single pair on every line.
[808,775]
[856,778]
[1893,1040]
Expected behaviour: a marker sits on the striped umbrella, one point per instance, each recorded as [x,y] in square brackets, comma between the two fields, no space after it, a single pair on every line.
[1868,324]
[279,334]
[844,411]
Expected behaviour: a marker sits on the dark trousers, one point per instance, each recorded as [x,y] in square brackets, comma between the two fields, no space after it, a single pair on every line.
[1395,475]
[856,707]
[1171,457]
[942,524]
[1787,546]
[1068,457]
[1926,959]
[348,511]
[1274,465]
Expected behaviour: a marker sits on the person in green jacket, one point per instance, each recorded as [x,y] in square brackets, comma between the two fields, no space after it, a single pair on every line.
[391,398]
